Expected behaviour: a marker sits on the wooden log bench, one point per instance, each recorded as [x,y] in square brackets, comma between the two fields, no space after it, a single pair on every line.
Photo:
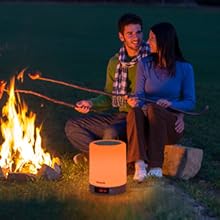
[181,162]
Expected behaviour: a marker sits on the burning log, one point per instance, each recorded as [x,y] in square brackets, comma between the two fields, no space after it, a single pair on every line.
[46,172]
[2,174]
[21,177]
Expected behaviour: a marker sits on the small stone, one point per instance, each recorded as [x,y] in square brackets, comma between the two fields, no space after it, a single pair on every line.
[48,173]
[57,168]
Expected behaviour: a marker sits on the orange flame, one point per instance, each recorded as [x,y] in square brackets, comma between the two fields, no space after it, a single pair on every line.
[21,149]
[20,76]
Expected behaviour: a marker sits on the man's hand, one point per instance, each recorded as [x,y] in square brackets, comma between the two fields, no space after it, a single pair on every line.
[132,101]
[83,106]
[179,124]
[163,103]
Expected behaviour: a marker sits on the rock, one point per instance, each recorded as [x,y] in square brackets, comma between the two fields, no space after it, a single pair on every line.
[57,168]
[182,162]
[48,173]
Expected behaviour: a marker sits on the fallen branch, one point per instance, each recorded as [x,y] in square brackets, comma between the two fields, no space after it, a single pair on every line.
[37,76]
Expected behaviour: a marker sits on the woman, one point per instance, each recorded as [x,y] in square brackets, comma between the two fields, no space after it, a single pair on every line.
[168,80]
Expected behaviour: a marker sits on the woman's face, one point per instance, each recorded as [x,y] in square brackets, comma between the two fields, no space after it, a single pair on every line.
[152,41]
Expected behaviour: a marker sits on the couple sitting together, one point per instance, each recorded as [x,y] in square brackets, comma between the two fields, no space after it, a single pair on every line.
[155,70]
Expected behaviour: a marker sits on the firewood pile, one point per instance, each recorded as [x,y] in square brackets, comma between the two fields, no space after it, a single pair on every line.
[45,172]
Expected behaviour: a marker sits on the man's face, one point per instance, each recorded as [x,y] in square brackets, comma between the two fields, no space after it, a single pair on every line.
[132,38]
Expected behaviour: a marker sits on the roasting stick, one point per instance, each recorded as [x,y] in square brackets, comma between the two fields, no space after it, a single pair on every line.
[2,90]
[45,97]
[37,76]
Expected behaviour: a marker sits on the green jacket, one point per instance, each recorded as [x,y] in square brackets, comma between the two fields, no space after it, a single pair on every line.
[103,102]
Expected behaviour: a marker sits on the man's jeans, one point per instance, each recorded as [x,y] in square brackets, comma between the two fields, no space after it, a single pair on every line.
[83,130]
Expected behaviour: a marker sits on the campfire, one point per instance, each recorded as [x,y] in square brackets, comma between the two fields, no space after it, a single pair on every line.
[21,154]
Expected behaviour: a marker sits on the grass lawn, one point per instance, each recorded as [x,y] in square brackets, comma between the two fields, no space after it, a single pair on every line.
[73,42]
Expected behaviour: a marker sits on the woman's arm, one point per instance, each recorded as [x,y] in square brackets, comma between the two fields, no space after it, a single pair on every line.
[187,100]
[140,82]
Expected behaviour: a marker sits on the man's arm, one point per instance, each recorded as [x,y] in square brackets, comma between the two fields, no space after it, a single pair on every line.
[100,102]
[103,102]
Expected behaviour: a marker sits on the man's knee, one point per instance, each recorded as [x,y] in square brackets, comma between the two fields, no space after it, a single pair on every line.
[74,133]
[110,133]
[70,128]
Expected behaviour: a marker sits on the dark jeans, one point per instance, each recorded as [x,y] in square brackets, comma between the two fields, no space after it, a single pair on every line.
[148,132]
[81,131]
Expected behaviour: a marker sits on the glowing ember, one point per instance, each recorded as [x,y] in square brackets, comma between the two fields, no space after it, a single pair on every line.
[21,150]
[34,76]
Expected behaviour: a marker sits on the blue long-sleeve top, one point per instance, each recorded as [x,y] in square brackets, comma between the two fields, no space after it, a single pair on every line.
[155,83]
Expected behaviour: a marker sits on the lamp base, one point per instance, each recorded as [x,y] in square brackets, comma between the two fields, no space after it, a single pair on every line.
[107,190]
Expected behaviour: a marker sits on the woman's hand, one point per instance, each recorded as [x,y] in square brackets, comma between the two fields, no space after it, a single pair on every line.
[179,124]
[133,101]
[163,103]
[83,106]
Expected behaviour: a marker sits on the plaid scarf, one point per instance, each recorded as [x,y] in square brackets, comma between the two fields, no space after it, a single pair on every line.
[120,81]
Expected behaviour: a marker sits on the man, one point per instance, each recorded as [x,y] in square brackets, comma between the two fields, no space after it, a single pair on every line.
[120,81]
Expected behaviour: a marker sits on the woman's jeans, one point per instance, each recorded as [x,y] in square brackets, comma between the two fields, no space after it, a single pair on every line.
[147,133]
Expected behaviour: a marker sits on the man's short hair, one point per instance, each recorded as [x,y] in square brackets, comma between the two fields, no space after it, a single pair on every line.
[127,19]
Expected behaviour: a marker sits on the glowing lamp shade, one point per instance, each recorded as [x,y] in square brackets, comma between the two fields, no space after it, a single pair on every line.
[107,166]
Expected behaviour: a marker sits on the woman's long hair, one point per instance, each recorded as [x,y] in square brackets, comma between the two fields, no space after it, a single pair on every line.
[167,45]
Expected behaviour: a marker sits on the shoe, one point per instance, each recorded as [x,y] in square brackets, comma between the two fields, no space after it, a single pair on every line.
[155,172]
[140,175]
[140,171]
[80,159]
